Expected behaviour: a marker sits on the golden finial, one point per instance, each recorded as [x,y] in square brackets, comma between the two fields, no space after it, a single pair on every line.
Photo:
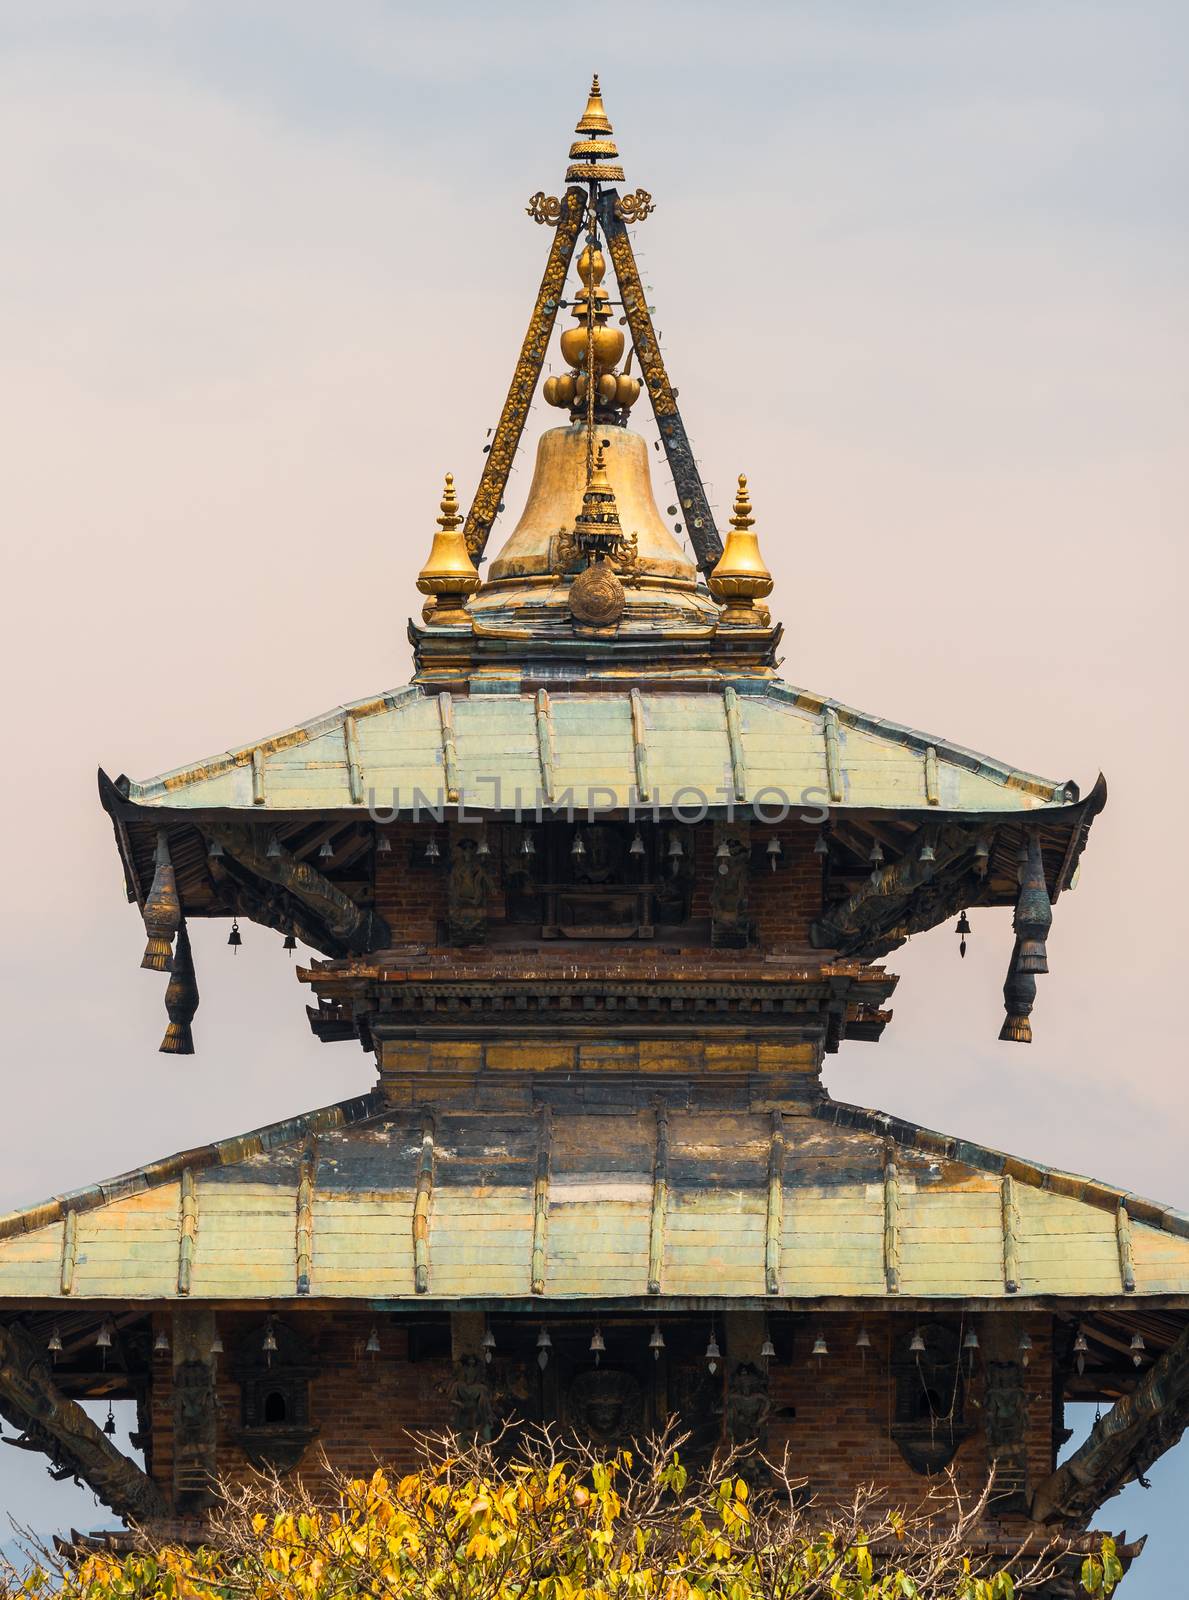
[449,575]
[450,517]
[741,577]
[593,154]
[594,119]
[743,518]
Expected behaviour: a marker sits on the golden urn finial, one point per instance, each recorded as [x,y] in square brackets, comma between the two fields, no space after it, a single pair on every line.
[741,577]
[615,392]
[449,575]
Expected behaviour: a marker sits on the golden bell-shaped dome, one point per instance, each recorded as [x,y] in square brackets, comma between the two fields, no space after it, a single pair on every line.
[449,575]
[741,576]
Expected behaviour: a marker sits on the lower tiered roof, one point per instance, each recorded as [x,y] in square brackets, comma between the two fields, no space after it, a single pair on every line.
[626,1197]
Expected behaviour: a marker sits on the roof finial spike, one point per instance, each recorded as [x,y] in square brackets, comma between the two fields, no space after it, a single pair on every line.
[450,517]
[594,119]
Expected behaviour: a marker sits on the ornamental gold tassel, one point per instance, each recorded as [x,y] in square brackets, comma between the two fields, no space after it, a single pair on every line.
[162,911]
[181,1000]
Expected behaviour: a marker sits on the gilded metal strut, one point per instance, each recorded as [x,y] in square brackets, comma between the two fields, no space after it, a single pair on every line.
[506,439]
[699,519]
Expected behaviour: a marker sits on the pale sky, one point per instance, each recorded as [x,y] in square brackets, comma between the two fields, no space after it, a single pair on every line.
[920,271]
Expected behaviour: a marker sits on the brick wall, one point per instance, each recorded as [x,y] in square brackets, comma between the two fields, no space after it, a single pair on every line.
[839,1437]
[411,891]
[784,902]
[832,1413]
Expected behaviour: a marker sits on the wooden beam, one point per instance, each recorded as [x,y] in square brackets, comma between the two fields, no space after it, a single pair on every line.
[1009,1216]
[639,745]
[187,1229]
[1123,1239]
[660,1194]
[545,743]
[833,757]
[891,1219]
[735,742]
[60,1429]
[421,1204]
[305,1216]
[258,795]
[354,768]
[449,748]
[774,1221]
[541,1200]
[69,1250]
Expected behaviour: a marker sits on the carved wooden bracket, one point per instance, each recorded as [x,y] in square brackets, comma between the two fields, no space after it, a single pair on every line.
[358,930]
[897,900]
[62,1430]
[1134,1433]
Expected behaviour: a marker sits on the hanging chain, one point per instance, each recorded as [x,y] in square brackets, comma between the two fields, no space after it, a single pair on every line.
[592,238]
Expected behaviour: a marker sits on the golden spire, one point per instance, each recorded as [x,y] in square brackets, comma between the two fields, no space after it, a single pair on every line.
[449,575]
[594,119]
[741,577]
[593,154]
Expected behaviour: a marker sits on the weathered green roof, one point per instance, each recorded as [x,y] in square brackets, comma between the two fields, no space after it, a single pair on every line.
[745,746]
[569,1204]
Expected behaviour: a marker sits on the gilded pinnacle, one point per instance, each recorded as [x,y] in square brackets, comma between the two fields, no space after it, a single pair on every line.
[449,575]
[593,154]
[741,576]
[594,119]
[743,517]
[450,517]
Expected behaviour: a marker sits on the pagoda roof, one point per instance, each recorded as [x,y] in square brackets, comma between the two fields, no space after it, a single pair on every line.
[741,743]
[591,1197]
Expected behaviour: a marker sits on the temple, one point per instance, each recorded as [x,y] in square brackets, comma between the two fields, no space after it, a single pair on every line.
[599,890]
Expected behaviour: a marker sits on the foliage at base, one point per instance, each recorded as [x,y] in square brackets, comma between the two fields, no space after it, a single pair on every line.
[543,1522]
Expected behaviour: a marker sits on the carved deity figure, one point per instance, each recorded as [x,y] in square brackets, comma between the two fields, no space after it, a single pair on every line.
[748,1405]
[469,1394]
[466,893]
[606,1405]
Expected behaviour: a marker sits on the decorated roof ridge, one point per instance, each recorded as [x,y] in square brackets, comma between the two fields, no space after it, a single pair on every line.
[978,764]
[221,1152]
[948,1147]
[374,1106]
